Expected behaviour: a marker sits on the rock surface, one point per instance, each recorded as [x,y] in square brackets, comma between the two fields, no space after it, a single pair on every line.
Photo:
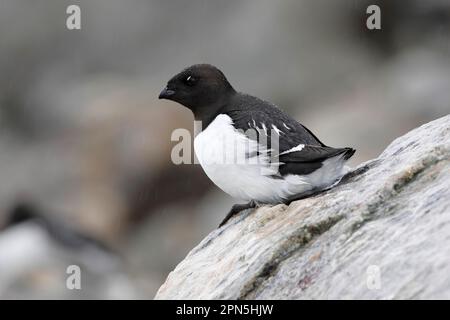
[384,233]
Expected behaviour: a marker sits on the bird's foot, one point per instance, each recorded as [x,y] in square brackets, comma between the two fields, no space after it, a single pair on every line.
[304,195]
[356,172]
[235,209]
[343,180]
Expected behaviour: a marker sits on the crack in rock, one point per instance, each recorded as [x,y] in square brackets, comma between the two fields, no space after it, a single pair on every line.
[401,181]
[290,246]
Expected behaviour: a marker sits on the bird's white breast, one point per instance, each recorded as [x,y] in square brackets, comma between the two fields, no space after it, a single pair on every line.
[23,248]
[221,150]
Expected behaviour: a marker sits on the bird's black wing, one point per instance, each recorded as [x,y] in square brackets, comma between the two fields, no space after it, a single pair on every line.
[298,150]
[309,158]
[250,113]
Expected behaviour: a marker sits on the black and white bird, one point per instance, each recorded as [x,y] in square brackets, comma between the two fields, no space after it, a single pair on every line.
[32,242]
[25,223]
[250,148]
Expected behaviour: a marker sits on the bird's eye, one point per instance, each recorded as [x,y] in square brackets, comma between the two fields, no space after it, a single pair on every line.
[190,81]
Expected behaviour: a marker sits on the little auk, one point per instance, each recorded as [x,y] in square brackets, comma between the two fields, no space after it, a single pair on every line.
[250,148]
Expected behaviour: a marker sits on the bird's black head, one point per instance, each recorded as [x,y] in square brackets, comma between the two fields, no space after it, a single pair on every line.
[21,212]
[199,87]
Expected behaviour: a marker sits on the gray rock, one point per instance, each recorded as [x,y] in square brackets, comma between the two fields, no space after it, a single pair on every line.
[384,233]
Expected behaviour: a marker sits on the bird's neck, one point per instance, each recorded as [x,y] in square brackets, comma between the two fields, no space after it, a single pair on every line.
[207,114]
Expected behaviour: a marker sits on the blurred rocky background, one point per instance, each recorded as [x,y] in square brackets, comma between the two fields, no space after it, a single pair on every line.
[84,140]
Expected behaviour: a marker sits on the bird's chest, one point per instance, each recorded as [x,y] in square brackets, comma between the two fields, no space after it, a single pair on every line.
[220,144]
[223,151]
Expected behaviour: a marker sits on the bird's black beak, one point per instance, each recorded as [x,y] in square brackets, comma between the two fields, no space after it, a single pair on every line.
[166,93]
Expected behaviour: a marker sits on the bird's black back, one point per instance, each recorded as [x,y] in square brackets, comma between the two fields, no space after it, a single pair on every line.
[251,113]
